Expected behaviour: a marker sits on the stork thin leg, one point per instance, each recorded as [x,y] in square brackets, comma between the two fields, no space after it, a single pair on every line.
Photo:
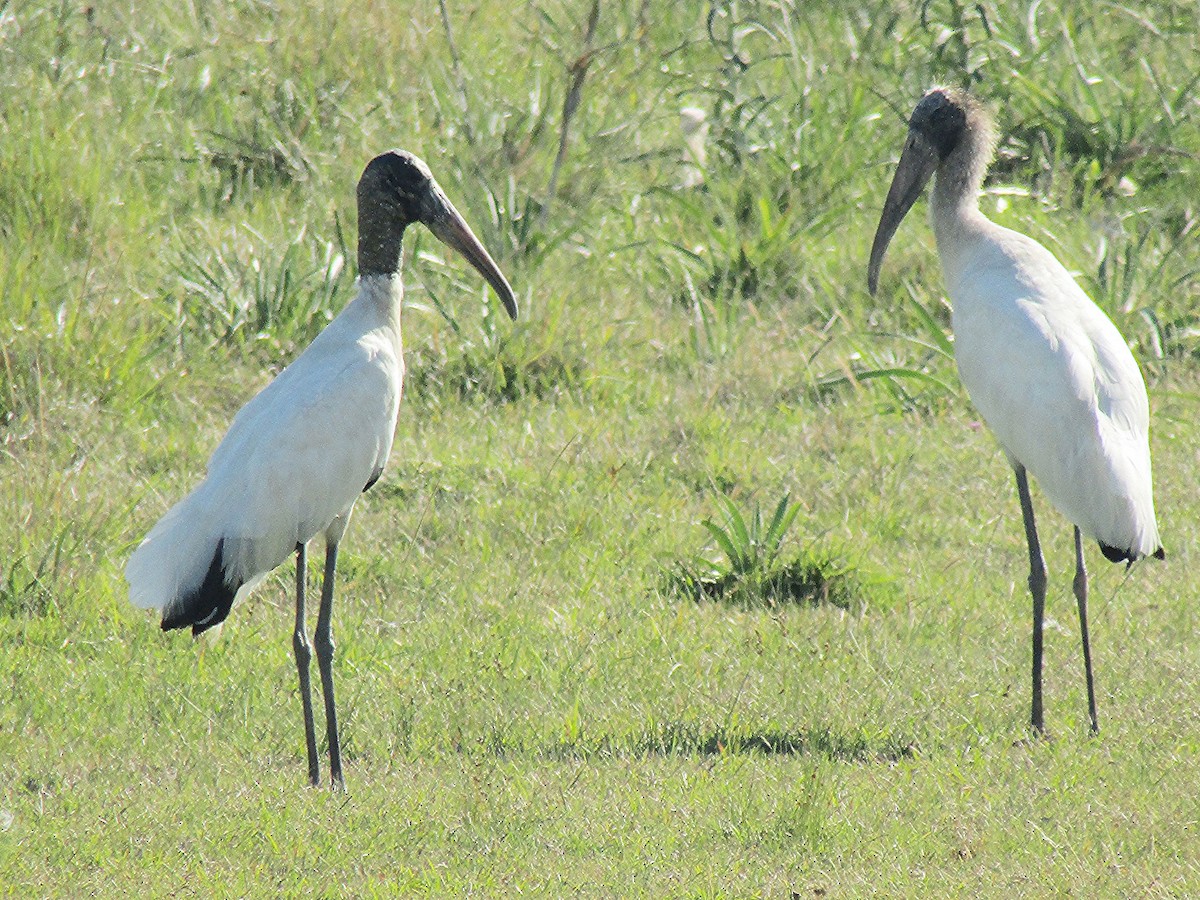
[323,639]
[1080,585]
[303,658]
[1037,588]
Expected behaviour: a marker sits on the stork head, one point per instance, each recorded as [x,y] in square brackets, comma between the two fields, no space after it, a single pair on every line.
[397,189]
[947,125]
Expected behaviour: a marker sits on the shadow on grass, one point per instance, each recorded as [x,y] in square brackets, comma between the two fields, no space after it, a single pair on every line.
[695,739]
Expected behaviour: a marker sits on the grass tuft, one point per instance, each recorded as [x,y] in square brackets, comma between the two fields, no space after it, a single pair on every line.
[752,570]
[241,290]
[504,372]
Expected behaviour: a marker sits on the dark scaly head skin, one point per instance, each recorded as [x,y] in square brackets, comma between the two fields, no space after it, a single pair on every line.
[388,202]
[941,115]
[949,132]
[397,189]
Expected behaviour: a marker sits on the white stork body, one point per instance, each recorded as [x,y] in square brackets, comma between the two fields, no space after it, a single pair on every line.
[1052,377]
[1047,369]
[294,461]
[299,454]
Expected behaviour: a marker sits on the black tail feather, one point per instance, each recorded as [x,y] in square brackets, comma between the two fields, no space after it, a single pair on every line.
[208,604]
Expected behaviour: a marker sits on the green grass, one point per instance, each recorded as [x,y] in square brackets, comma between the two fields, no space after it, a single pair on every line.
[529,705]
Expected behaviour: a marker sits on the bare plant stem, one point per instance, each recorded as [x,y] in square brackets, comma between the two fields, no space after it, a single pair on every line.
[456,68]
[579,71]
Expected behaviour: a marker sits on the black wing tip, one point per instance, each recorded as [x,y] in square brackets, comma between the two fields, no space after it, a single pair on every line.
[208,604]
[375,476]
[1117,555]
[188,618]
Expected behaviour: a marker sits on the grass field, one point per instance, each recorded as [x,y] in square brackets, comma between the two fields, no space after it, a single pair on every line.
[534,701]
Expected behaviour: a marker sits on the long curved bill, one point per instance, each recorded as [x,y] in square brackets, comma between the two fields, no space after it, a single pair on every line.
[917,164]
[452,230]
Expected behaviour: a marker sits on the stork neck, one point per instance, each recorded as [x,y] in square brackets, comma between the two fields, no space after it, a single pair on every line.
[383,293]
[954,209]
[960,176]
[379,245]
[954,202]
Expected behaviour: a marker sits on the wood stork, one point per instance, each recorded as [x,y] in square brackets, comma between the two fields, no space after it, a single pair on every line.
[1046,368]
[298,455]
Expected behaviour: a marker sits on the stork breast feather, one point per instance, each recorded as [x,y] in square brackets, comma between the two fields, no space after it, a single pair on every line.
[298,459]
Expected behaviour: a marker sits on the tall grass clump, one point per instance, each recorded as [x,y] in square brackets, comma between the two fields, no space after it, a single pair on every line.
[240,288]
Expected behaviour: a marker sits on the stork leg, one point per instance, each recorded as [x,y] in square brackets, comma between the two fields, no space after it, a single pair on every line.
[1037,588]
[303,658]
[323,638]
[1080,585]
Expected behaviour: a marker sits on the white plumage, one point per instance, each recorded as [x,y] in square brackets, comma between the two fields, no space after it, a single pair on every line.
[293,462]
[1054,380]
[299,454]
[1047,369]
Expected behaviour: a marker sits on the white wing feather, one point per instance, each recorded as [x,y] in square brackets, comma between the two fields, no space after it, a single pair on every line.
[1056,383]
